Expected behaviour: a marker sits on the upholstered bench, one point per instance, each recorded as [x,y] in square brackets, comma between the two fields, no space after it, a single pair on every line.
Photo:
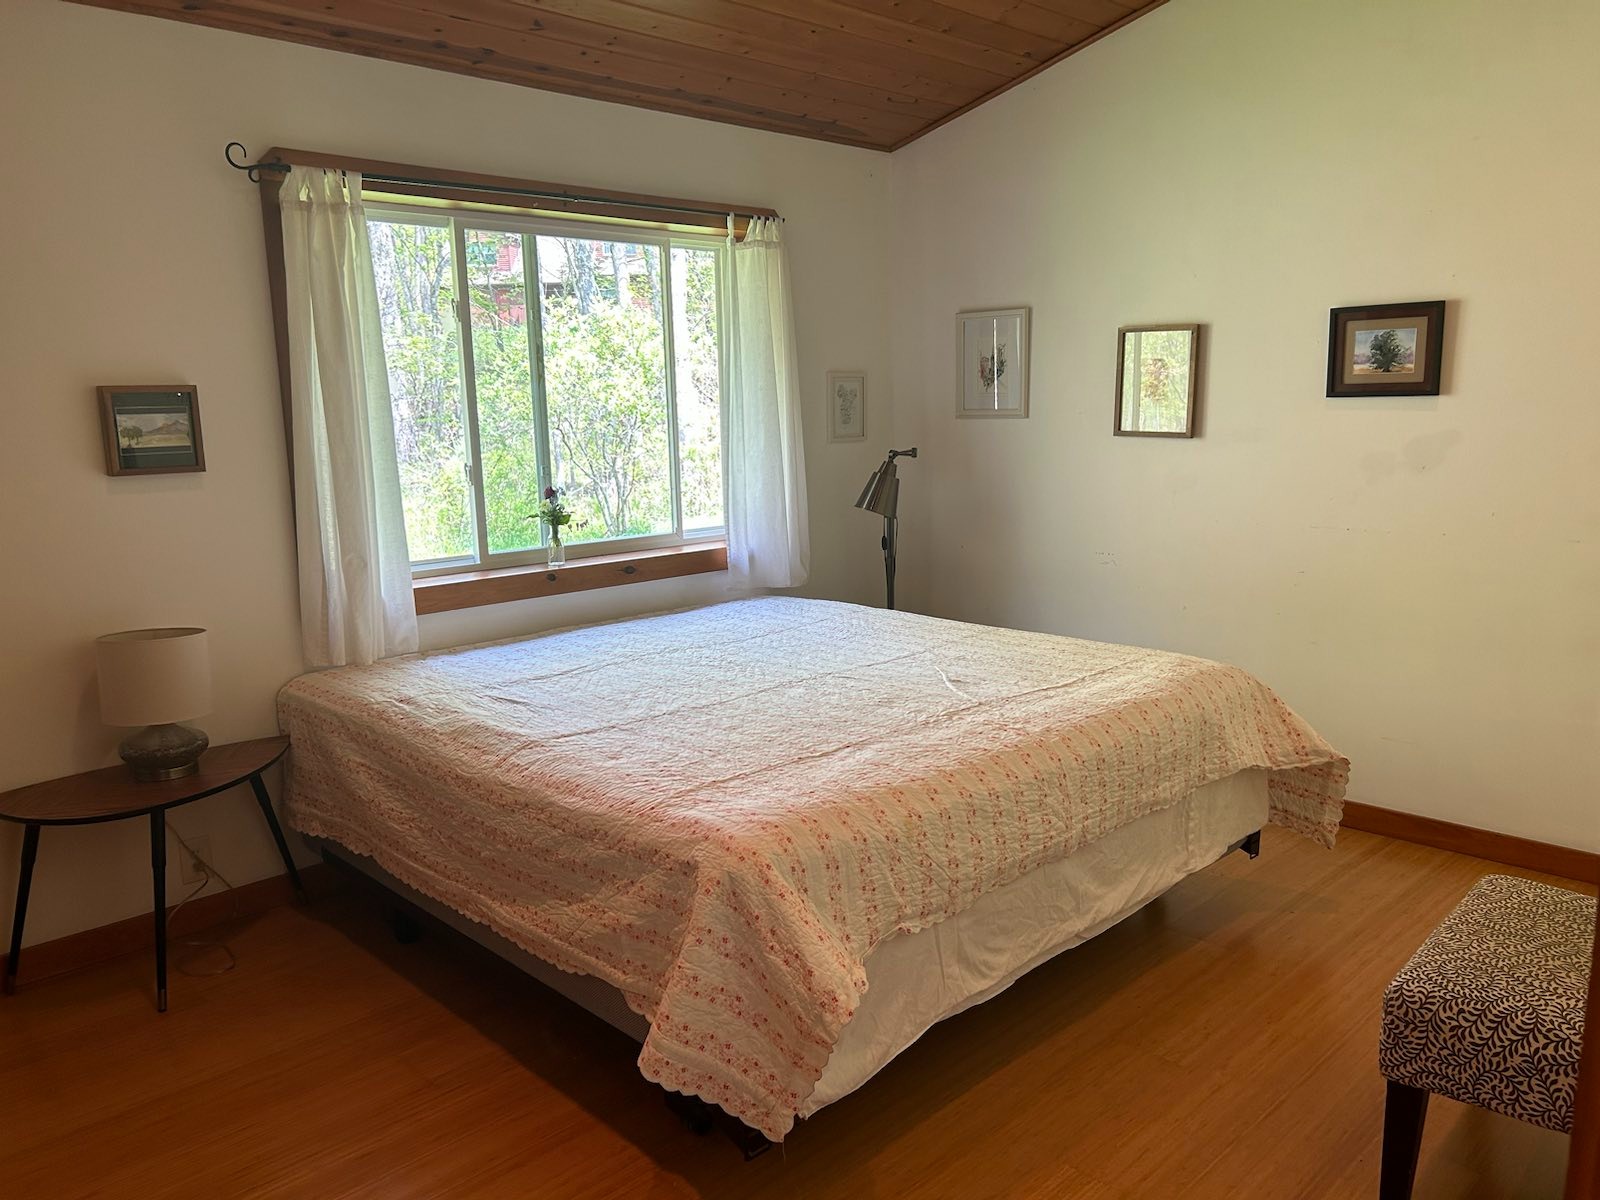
[1489,1012]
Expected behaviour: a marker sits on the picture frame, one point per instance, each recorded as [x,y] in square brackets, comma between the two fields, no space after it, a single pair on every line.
[992,362]
[1158,372]
[847,406]
[1386,349]
[151,429]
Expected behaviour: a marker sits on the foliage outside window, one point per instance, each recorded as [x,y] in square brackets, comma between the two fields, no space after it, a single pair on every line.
[587,360]
[1156,366]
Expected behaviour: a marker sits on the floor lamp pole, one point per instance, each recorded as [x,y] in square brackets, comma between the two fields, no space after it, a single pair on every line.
[891,532]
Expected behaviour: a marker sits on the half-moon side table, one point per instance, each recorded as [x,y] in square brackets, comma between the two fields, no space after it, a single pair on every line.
[113,794]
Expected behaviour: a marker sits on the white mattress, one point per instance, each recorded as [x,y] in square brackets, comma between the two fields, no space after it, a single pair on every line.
[916,980]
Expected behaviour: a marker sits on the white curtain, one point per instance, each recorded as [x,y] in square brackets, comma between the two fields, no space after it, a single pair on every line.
[355,573]
[768,545]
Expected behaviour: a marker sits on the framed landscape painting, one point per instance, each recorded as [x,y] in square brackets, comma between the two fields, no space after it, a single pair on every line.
[1386,349]
[151,429]
[992,349]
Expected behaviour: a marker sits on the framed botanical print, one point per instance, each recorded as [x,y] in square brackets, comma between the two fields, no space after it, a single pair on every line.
[992,350]
[1386,349]
[847,406]
[1157,366]
[151,429]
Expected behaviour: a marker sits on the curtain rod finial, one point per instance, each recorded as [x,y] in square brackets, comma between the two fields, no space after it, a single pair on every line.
[252,170]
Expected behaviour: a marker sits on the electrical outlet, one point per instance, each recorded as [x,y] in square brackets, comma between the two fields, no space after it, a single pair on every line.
[189,865]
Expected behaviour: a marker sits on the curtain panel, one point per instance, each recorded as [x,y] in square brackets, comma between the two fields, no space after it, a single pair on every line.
[768,542]
[355,572]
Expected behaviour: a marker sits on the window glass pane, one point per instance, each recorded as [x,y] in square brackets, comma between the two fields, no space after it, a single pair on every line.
[698,383]
[605,385]
[507,432]
[416,301]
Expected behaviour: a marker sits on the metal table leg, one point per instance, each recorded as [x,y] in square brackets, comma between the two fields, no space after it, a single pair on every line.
[30,851]
[265,801]
[158,870]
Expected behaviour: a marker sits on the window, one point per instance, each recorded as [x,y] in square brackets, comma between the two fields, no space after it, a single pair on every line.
[528,354]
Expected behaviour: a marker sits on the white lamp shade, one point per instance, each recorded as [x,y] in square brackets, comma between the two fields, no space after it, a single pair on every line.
[153,676]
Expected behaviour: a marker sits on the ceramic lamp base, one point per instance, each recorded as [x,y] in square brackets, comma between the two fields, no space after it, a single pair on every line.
[163,752]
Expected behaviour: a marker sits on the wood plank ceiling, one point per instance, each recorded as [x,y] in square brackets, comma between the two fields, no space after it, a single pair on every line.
[873,73]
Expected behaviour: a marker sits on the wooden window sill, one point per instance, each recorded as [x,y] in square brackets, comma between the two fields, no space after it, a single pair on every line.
[468,589]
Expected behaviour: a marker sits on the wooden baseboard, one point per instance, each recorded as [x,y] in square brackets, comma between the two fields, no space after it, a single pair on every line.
[91,946]
[1582,865]
[134,935]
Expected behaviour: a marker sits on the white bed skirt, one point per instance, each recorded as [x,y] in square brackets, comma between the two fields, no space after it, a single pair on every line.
[914,981]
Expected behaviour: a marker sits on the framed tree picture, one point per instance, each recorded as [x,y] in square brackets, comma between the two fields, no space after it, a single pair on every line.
[992,350]
[1386,349]
[151,429]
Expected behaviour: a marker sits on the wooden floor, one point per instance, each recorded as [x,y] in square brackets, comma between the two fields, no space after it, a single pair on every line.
[1219,1044]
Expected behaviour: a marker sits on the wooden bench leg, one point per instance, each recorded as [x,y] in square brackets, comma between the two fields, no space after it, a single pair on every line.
[1404,1112]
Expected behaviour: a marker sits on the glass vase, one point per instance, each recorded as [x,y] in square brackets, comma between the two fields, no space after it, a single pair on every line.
[558,549]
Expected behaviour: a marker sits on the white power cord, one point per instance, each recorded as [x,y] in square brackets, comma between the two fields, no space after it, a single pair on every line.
[209,874]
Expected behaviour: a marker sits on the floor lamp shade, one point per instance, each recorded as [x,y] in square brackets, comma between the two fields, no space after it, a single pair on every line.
[882,493]
[155,678]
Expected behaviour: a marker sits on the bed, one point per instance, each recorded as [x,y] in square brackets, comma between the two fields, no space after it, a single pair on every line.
[777,839]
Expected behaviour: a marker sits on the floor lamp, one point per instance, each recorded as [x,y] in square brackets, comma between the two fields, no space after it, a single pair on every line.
[882,496]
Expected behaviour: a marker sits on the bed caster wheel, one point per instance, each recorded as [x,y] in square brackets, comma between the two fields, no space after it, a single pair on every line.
[694,1112]
[405,927]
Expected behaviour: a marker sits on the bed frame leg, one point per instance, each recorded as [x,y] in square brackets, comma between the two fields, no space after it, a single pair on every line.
[698,1116]
[404,925]
[701,1118]
[1252,844]
[752,1143]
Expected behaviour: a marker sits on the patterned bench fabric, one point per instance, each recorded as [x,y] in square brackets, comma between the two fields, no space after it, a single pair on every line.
[1490,1010]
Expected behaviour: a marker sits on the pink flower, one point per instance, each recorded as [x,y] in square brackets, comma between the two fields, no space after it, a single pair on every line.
[549,493]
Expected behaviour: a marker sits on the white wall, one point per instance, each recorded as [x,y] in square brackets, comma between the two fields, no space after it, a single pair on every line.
[130,252]
[1419,577]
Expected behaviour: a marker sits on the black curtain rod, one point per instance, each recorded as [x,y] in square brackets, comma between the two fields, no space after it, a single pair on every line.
[254,170]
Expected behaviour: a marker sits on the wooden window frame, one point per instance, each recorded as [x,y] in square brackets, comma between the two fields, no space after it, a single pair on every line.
[487,195]
[501,585]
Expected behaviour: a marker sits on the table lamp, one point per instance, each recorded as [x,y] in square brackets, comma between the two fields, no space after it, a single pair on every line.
[156,678]
[882,496]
